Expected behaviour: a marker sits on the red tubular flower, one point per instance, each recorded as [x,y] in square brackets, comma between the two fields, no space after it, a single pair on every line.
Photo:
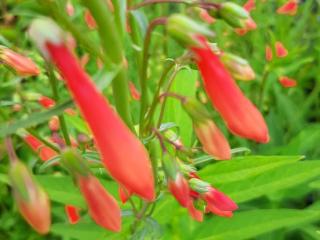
[269,54]
[179,188]
[205,16]
[21,64]
[32,201]
[103,208]
[124,194]
[195,213]
[281,51]
[46,102]
[91,23]
[219,200]
[213,140]
[289,8]
[134,92]
[218,212]
[44,152]
[249,5]
[72,214]
[240,115]
[287,82]
[122,153]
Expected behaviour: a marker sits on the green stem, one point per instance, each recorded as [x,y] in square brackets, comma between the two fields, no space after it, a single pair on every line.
[112,46]
[143,75]
[186,2]
[262,87]
[54,86]
[10,150]
[44,141]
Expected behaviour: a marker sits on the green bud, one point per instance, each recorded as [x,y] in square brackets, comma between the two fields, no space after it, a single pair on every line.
[169,166]
[74,162]
[184,30]
[232,13]
[199,185]
[195,110]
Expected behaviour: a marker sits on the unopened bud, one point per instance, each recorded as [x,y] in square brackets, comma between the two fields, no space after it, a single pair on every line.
[198,185]
[238,67]
[195,110]
[186,30]
[232,13]
[75,164]
[32,201]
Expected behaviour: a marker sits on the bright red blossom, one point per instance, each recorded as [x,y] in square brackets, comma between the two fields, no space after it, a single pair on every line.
[91,23]
[132,167]
[44,152]
[179,188]
[240,115]
[287,82]
[23,65]
[289,8]
[281,51]
[72,213]
[103,208]
[269,54]
[249,5]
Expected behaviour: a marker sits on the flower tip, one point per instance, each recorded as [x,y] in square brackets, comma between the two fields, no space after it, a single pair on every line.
[44,30]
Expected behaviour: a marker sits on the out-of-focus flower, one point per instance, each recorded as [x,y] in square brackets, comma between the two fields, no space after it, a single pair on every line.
[124,194]
[46,102]
[91,23]
[131,168]
[281,51]
[72,213]
[287,82]
[195,213]
[54,124]
[249,5]
[22,65]
[69,8]
[268,53]
[289,8]
[32,201]
[135,94]
[179,188]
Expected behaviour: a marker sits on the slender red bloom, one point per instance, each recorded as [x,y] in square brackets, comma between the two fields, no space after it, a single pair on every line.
[281,51]
[103,208]
[32,201]
[124,194]
[213,140]
[44,152]
[219,212]
[46,102]
[23,65]
[289,8]
[123,154]
[240,115]
[179,188]
[249,5]
[72,214]
[269,54]
[91,23]
[135,94]
[219,200]
[195,213]
[287,82]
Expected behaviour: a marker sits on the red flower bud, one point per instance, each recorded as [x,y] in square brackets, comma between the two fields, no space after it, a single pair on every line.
[240,115]
[91,23]
[269,54]
[103,208]
[21,64]
[213,140]
[281,51]
[44,152]
[54,124]
[32,201]
[132,167]
[249,5]
[72,214]
[46,102]
[195,213]
[289,8]
[219,200]
[134,92]
[287,82]
[180,189]
[124,194]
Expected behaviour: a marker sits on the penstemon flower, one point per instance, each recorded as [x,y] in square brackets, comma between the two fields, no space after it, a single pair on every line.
[289,8]
[23,65]
[287,82]
[72,213]
[281,51]
[132,167]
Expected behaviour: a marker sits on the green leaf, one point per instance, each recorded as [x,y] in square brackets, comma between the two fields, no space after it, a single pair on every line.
[183,84]
[81,231]
[252,223]
[33,119]
[243,167]
[62,190]
[78,123]
[273,180]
